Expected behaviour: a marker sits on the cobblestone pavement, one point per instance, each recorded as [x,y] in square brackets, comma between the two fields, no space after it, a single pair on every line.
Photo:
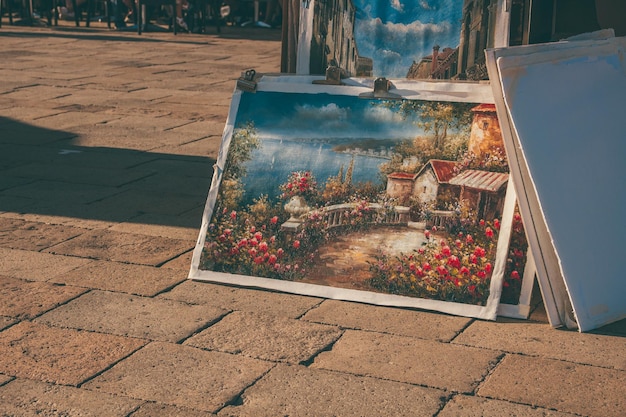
[107,142]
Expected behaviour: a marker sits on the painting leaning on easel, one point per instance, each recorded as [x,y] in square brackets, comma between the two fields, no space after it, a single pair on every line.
[390,202]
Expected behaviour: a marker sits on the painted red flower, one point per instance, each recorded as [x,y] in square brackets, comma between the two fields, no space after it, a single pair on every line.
[274,220]
[489,232]
[233,215]
[515,275]
[487,267]
[496,224]
[427,234]
[296,244]
[479,252]
[272,259]
[469,239]
[263,247]
[445,251]
[258,260]
[426,266]
[258,236]
[454,262]
[481,222]
[464,270]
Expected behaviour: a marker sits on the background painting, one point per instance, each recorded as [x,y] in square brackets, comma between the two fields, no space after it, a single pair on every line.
[412,39]
[401,197]
[397,33]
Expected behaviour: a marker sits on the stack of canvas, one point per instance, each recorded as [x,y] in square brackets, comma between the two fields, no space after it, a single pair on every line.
[377,174]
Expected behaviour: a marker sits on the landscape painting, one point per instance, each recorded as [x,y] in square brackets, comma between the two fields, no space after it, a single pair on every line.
[412,39]
[384,201]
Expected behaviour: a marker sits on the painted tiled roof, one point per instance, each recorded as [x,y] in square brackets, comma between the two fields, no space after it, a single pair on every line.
[402,176]
[484,108]
[444,170]
[481,180]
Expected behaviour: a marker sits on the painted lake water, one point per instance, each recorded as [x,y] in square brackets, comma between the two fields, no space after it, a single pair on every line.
[276,159]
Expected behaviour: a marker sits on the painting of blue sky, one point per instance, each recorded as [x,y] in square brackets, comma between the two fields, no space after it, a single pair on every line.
[394,33]
[313,116]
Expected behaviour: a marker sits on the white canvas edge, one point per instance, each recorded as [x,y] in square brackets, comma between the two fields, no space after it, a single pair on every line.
[487,312]
[520,176]
[553,285]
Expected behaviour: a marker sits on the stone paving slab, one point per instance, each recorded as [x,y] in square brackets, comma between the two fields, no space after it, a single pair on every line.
[33,236]
[26,398]
[27,113]
[61,356]
[25,300]
[190,167]
[178,184]
[142,201]
[123,247]
[132,316]
[4,379]
[568,387]
[6,321]
[182,263]
[122,138]
[36,266]
[404,359]
[81,216]
[208,147]
[299,391]
[69,120]
[266,337]
[14,134]
[468,406]
[79,175]
[149,125]
[151,409]
[539,339]
[162,225]
[60,192]
[181,376]
[388,320]
[121,277]
[234,298]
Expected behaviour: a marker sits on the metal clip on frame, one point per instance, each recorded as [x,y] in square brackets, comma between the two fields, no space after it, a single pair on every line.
[247,81]
[333,76]
[381,90]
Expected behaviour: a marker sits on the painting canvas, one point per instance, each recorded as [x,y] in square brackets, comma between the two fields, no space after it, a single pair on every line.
[567,169]
[412,39]
[392,202]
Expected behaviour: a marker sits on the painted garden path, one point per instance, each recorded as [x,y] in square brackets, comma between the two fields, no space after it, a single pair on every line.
[344,262]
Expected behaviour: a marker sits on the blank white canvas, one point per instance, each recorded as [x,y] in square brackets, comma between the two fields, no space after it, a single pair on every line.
[567,105]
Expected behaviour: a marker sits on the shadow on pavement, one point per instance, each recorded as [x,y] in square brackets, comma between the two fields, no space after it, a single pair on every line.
[44,172]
